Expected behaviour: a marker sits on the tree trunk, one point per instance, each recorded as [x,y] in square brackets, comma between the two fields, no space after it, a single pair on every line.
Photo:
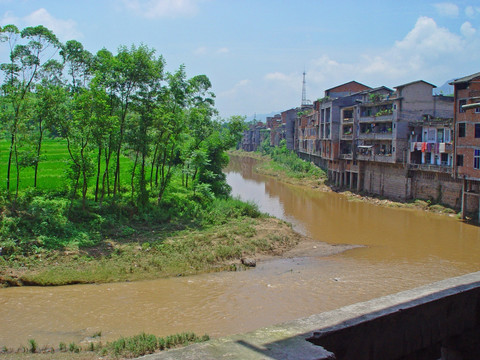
[133,173]
[39,148]
[99,158]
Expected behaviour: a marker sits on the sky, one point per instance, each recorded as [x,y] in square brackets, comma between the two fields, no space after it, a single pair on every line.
[255,51]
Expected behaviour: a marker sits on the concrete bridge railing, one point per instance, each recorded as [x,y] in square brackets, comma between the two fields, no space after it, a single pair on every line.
[436,321]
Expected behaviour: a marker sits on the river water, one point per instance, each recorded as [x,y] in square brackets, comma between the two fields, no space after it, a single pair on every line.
[401,249]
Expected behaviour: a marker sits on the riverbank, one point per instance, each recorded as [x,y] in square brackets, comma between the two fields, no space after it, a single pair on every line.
[154,253]
[267,166]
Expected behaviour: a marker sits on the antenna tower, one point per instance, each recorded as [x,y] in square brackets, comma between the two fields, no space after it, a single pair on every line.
[304,91]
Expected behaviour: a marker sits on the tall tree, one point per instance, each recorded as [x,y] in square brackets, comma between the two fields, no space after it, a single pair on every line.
[131,70]
[50,106]
[40,45]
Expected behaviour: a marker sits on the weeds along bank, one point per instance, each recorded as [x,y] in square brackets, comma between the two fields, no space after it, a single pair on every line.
[46,241]
[125,347]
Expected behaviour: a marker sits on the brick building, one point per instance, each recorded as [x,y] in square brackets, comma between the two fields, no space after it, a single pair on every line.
[467,139]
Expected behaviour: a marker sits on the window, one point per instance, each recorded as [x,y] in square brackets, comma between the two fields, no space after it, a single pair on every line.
[440,137]
[448,135]
[477,130]
[460,104]
[461,130]
[477,110]
[476,159]
[428,157]
[444,158]
[459,160]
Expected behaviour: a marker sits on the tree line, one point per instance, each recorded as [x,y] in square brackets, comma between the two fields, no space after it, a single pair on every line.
[107,106]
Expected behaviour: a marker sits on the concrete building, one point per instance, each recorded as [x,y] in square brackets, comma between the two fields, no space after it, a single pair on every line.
[276,125]
[467,140]
[289,118]
[324,150]
[253,137]
[384,149]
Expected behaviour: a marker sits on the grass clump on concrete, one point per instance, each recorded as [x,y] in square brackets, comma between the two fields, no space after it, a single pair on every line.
[142,344]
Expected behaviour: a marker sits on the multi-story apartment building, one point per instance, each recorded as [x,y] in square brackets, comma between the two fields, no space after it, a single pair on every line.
[253,136]
[384,121]
[276,125]
[330,121]
[467,139]
[431,144]
[307,135]
[289,118]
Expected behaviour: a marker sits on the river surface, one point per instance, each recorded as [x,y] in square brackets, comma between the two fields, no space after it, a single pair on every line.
[401,249]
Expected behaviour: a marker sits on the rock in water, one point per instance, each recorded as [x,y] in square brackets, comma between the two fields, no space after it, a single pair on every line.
[249,262]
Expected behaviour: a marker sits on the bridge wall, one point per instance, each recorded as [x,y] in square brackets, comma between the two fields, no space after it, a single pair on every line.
[436,321]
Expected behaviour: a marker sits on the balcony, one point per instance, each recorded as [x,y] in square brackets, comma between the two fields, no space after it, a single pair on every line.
[376,157]
[444,168]
[346,156]
[376,136]
[378,118]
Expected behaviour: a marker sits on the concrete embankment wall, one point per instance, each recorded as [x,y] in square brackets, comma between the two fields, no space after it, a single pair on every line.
[436,321]
[439,187]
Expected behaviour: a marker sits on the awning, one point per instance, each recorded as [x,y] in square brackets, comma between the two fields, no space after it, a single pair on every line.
[471,106]
[365,146]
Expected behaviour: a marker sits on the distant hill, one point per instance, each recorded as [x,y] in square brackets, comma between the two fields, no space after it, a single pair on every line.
[445,89]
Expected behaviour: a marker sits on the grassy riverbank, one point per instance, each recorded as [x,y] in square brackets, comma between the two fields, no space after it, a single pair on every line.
[153,252]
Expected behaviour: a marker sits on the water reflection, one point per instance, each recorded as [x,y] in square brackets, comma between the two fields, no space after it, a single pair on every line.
[390,234]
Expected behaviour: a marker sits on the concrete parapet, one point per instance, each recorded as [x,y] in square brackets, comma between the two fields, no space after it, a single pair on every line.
[439,320]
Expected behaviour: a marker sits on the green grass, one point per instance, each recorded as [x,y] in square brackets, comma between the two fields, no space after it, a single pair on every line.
[152,255]
[125,347]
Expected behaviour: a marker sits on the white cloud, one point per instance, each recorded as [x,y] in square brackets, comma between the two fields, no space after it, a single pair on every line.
[223,50]
[9,18]
[63,29]
[471,11]
[427,52]
[162,8]
[467,29]
[447,9]
[427,38]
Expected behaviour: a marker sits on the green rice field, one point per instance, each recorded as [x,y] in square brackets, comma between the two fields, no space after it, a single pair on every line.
[51,170]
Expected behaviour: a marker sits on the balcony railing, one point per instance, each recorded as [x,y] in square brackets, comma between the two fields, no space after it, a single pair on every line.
[347,137]
[348,156]
[376,157]
[347,120]
[372,118]
[444,168]
[376,136]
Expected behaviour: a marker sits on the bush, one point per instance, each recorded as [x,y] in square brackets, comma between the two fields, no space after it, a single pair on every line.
[221,210]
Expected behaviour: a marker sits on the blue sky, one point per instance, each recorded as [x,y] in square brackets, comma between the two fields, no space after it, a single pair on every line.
[255,52]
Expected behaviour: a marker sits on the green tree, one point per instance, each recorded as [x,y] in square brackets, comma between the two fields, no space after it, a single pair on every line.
[20,74]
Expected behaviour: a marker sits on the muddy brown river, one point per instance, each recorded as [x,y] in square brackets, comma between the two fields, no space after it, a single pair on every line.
[401,249]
